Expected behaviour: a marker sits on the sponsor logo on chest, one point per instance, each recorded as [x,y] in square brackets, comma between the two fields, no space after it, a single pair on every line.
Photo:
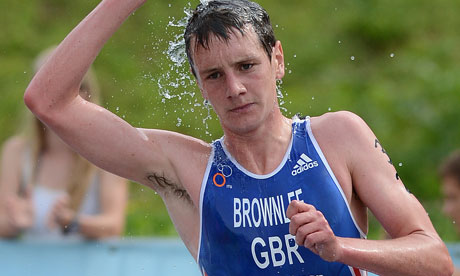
[303,164]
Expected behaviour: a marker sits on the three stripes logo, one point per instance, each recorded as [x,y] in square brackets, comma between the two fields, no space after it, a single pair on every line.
[303,164]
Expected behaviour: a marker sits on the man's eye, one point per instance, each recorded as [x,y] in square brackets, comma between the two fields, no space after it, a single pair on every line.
[214,76]
[246,66]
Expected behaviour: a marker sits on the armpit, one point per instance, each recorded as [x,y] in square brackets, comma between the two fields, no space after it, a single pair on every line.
[161,183]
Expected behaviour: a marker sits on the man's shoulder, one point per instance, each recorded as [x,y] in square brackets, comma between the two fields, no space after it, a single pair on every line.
[344,134]
[339,125]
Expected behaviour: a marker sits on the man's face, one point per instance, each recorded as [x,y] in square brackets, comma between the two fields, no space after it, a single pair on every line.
[451,193]
[239,79]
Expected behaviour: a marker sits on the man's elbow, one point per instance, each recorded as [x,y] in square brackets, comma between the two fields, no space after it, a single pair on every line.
[29,98]
[33,100]
[448,266]
[40,105]
[445,264]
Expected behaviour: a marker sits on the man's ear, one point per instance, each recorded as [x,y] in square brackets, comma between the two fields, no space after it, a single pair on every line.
[278,57]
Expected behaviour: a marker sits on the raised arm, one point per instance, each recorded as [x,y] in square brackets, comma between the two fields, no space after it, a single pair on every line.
[366,174]
[97,134]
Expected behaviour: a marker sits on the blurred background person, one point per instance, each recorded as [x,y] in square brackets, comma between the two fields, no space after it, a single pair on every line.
[449,172]
[49,191]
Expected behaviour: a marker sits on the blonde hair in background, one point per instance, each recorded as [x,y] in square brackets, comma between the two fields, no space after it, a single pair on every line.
[83,171]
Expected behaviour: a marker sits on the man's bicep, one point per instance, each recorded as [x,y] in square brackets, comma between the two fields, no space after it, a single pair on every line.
[108,141]
[401,214]
[379,186]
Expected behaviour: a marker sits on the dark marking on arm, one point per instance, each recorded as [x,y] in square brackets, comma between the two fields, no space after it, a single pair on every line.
[376,144]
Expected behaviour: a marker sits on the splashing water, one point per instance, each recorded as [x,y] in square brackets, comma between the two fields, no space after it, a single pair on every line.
[280,95]
[176,84]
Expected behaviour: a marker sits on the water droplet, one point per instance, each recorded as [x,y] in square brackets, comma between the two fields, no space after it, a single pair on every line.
[117,108]
[329,109]
[400,164]
[295,56]
[392,55]
[340,41]
[352,57]
[313,97]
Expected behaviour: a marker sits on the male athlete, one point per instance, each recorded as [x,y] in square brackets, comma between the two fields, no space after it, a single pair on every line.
[274,196]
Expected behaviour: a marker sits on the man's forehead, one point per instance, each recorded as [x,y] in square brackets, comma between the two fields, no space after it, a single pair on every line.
[234,36]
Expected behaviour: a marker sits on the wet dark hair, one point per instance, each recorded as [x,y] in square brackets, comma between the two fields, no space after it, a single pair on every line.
[451,166]
[219,17]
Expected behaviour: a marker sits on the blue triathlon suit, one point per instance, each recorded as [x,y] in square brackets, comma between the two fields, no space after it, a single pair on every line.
[244,228]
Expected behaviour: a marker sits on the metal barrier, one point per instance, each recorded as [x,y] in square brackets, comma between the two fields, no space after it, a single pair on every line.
[124,257]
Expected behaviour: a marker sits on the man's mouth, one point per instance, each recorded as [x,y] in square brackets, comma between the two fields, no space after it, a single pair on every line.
[241,108]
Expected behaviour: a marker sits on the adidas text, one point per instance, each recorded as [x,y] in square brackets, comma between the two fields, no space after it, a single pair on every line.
[304,167]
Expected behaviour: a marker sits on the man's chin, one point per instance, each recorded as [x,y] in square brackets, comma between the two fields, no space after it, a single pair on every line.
[241,127]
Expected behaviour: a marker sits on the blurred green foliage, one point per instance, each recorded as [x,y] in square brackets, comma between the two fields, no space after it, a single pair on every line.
[394,63]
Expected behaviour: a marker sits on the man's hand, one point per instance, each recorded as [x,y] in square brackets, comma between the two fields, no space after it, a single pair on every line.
[20,211]
[312,230]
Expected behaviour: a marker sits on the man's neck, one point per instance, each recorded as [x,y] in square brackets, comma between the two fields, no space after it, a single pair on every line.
[262,150]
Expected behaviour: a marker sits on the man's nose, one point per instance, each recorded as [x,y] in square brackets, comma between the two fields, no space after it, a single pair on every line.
[235,86]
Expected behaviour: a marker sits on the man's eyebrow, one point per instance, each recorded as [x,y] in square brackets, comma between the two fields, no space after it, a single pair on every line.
[245,59]
[238,62]
[209,70]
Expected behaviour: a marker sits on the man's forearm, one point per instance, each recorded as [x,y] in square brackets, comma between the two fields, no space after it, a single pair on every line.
[416,254]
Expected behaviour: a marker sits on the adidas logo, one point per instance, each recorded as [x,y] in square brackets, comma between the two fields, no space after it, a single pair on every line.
[303,164]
